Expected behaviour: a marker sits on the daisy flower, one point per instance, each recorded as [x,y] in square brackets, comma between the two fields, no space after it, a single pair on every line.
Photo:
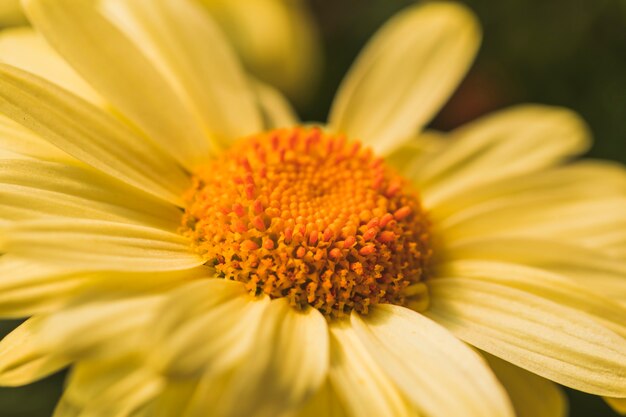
[192,249]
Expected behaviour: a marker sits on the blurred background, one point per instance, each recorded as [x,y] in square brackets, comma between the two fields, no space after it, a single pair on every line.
[569,53]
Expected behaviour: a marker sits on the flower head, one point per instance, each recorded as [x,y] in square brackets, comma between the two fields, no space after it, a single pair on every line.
[192,249]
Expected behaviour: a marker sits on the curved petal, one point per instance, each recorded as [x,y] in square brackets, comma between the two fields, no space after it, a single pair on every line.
[18,142]
[276,109]
[617,404]
[324,403]
[108,388]
[405,74]
[26,49]
[287,366]
[44,344]
[556,342]
[590,268]
[182,40]
[22,360]
[276,39]
[508,143]
[90,42]
[30,288]
[408,157]
[531,395]
[578,181]
[93,245]
[32,189]
[583,221]
[436,371]
[89,134]
[205,327]
[550,286]
[358,380]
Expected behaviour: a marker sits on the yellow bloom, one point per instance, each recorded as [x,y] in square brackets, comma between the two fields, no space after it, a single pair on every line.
[195,250]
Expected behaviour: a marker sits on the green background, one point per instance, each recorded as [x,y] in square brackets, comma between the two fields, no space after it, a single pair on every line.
[561,52]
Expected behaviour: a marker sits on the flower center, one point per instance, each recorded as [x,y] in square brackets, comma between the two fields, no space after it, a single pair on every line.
[306,215]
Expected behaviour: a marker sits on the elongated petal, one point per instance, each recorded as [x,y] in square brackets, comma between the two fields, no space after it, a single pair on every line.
[556,342]
[175,35]
[409,157]
[30,288]
[578,181]
[359,381]
[436,371]
[103,327]
[32,189]
[108,388]
[583,221]
[23,143]
[618,404]
[276,109]
[89,134]
[205,327]
[26,49]
[534,137]
[531,395]
[92,245]
[544,284]
[287,366]
[405,74]
[594,270]
[90,42]
[22,360]
[324,403]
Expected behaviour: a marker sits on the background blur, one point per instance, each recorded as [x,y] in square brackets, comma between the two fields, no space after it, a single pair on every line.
[562,52]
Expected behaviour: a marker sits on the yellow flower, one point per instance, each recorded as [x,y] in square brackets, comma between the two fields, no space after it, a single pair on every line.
[276,39]
[192,249]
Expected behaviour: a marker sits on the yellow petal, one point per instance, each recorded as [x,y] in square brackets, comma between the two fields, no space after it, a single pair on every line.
[205,327]
[415,152]
[26,49]
[108,388]
[89,134]
[11,13]
[276,39]
[359,381]
[531,395]
[122,73]
[32,189]
[18,142]
[584,221]
[30,288]
[405,74]
[529,138]
[430,365]
[578,181]
[324,403]
[556,342]
[617,404]
[287,366]
[276,109]
[175,34]
[93,245]
[22,359]
[544,284]
[593,270]
[101,328]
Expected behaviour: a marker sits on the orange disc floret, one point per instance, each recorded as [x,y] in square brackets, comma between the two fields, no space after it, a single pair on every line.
[310,216]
